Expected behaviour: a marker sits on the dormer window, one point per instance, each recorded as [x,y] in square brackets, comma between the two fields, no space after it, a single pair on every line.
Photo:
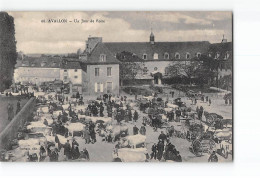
[102,57]
[33,64]
[187,55]
[177,56]
[53,64]
[155,56]
[217,55]
[43,64]
[166,55]
[226,55]
[198,54]
[145,56]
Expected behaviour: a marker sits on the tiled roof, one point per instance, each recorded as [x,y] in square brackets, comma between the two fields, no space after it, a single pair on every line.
[67,64]
[101,49]
[140,48]
[222,49]
[40,62]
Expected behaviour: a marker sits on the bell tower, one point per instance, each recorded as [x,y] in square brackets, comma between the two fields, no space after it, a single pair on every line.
[152,37]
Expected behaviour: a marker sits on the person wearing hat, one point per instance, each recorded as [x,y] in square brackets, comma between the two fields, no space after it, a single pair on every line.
[154,151]
[135,130]
[67,150]
[87,135]
[18,106]
[84,154]
[178,157]
[9,111]
[75,150]
[162,136]
[213,157]
[160,149]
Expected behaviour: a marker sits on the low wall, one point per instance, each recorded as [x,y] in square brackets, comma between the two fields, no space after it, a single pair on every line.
[10,132]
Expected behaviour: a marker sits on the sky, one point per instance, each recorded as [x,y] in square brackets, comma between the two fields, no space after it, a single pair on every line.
[34,36]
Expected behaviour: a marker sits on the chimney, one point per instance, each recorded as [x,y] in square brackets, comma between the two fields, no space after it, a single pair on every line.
[91,43]
[224,40]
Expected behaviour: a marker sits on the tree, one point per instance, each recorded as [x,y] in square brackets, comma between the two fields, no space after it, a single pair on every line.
[183,70]
[8,54]
[197,70]
[129,66]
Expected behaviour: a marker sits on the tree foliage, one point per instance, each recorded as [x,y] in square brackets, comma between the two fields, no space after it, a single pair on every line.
[130,65]
[8,54]
[199,70]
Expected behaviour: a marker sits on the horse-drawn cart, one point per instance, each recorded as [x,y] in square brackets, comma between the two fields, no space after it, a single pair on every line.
[200,146]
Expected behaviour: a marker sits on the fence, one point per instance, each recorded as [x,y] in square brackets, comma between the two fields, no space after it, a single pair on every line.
[10,132]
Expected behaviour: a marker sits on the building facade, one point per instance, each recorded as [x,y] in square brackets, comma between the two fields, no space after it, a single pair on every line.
[101,70]
[37,70]
[97,72]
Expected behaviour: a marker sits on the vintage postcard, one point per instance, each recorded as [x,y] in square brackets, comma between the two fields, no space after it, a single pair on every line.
[116,86]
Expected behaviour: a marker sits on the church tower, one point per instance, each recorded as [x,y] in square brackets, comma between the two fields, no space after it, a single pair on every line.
[151,37]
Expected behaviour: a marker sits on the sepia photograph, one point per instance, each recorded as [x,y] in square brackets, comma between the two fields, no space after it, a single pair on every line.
[116,86]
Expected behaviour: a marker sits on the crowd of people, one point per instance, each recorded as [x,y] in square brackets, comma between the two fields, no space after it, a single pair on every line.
[120,109]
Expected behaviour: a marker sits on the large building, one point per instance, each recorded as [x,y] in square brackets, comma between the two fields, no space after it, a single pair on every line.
[97,72]
[101,70]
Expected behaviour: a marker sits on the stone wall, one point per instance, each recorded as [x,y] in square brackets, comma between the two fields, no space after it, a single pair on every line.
[10,132]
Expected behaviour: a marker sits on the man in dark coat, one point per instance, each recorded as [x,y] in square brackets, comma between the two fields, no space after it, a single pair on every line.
[84,154]
[178,157]
[162,137]
[154,151]
[135,116]
[213,157]
[160,148]
[75,150]
[67,150]
[9,111]
[143,130]
[135,130]
[18,106]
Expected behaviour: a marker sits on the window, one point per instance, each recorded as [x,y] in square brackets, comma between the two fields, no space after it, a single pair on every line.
[217,55]
[102,57]
[65,77]
[166,71]
[109,71]
[75,70]
[65,70]
[33,64]
[155,56]
[209,55]
[98,87]
[166,55]
[221,67]
[43,64]
[187,55]
[145,70]
[145,56]
[54,64]
[155,68]
[177,55]
[198,54]
[226,55]
[96,71]
[75,76]
[109,87]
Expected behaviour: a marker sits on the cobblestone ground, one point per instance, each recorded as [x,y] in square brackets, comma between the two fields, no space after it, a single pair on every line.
[102,151]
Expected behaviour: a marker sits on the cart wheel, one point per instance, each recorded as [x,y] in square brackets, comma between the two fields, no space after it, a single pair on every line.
[196,148]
